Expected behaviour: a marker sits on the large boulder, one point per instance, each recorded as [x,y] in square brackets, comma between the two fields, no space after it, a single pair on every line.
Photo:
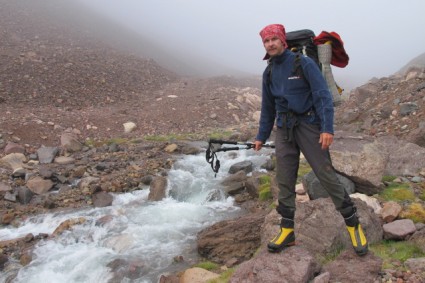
[404,158]
[321,229]
[315,189]
[346,267]
[294,265]
[231,239]
[361,160]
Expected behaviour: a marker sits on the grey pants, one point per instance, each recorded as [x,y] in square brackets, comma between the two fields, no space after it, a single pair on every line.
[305,139]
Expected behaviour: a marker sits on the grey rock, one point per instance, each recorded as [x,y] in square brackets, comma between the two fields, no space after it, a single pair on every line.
[47,154]
[315,189]
[245,166]
[158,188]
[102,199]
[399,229]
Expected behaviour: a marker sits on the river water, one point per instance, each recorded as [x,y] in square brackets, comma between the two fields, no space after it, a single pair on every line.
[147,235]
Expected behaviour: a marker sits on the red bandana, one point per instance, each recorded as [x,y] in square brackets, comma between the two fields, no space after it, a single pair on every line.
[274,30]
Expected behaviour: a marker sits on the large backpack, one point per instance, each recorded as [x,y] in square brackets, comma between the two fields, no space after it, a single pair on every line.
[305,43]
[302,42]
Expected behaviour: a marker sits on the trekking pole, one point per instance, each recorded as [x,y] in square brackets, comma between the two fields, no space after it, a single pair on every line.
[211,153]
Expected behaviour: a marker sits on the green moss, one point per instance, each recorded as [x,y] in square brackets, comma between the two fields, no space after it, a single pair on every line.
[415,212]
[99,143]
[388,178]
[421,187]
[397,192]
[208,265]
[303,169]
[265,179]
[220,135]
[116,141]
[392,252]
[224,277]
[170,137]
[264,192]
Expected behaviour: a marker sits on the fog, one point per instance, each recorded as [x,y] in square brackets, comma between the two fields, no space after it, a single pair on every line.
[380,36]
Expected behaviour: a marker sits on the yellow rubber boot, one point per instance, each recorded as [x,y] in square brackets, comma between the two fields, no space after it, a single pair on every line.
[358,239]
[285,238]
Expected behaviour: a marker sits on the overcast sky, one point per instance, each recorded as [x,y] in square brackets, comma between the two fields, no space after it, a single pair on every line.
[380,36]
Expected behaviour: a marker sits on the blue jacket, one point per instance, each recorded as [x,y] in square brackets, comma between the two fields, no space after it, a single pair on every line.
[285,91]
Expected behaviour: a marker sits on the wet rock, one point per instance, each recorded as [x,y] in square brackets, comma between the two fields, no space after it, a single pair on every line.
[146,180]
[238,238]
[157,189]
[3,260]
[7,218]
[67,225]
[123,269]
[25,259]
[102,199]
[245,166]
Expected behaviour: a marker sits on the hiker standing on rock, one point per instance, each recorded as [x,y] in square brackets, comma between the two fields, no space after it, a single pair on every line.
[302,106]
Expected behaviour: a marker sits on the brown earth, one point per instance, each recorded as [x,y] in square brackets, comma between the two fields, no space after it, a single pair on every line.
[53,77]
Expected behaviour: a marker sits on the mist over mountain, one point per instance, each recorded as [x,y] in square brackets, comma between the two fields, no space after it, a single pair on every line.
[417,62]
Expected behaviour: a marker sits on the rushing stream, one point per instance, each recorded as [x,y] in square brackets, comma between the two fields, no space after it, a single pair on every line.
[146,235]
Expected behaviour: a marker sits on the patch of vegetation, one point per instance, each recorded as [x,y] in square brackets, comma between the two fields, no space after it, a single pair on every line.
[304,169]
[415,212]
[422,193]
[220,135]
[170,137]
[224,277]
[388,179]
[331,256]
[208,265]
[264,189]
[116,141]
[393,252]
[98,143]
[398,192]
[265,179]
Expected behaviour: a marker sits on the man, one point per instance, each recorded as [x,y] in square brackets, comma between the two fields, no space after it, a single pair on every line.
[301,105]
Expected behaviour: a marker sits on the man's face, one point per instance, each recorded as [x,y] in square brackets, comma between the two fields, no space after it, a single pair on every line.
[273,46]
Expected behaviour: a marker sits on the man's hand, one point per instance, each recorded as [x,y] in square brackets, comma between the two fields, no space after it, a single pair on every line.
[258,145]
[326,140]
